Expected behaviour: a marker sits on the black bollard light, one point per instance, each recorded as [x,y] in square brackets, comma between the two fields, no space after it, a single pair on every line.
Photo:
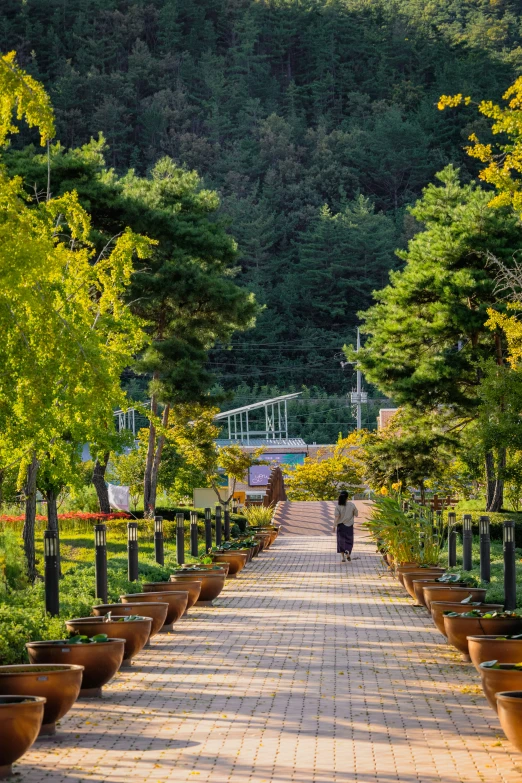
[100,560]
[467,541]
[194,533]
[452,540]
[180,537]
[52,572]
[132,550]
[159,542]
[219,531]
[227,522]
[510,582]
[208,529]
[485,549]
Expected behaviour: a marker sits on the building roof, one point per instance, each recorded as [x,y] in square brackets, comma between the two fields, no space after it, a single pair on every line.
[286,442]
[255,405]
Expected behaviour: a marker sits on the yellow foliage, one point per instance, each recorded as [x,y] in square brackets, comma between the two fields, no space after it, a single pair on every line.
[503,164]
[512,328]
[23,97]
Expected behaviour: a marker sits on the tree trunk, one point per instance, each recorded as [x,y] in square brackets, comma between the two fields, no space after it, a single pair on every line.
[495,480]
[151,449]
[98,479]
[156,464]
[30,518]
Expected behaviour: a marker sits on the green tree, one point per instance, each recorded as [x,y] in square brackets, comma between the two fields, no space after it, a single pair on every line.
[427,333]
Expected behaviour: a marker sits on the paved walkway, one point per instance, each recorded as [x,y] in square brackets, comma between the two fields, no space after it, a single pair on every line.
[308,671]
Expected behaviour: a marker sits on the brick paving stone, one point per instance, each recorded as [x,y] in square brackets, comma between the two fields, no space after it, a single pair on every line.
[306,671]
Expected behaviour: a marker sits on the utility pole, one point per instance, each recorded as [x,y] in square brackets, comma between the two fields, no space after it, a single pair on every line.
[359,397]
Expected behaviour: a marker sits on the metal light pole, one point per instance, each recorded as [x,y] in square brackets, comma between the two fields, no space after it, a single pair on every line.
[132,550]
[194,533]
[219,532]
[467,540]
[452,540]
[52,572]
[227,522]
[159,541]
[100,546]
[208,529]
[485,549]
[510,582]
[180,537]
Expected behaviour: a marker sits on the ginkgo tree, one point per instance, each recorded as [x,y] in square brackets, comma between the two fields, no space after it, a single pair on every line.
[67,332]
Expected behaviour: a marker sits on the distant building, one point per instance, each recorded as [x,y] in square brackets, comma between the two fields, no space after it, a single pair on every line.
[385,416]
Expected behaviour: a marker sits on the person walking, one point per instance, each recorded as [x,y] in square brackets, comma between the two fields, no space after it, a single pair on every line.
[344,519]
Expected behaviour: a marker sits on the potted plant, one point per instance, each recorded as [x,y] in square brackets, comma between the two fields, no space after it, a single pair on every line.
[58,684]
[157,611]
[476,623]
[439,608]
[179,600]
[453,593]
[428,573]
[509,707]
[20,721]
[212,582]
[441,581]
[135,629]
[492,647]
[235,560]
[100,656]
[499,677]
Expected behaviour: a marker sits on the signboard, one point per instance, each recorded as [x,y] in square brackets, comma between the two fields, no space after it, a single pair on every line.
[258,475]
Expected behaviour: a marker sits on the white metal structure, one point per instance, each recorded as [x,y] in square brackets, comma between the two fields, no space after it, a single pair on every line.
[126,420]
[276,419]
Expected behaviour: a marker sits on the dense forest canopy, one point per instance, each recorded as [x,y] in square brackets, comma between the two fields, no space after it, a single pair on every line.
[315,120]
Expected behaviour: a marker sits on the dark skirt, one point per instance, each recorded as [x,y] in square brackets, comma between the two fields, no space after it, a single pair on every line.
[344,538]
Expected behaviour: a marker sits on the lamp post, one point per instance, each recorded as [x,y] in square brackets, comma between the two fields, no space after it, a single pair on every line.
[180,537]
[194,533]
[510,582]
[208,529]
[452,540]
[100,547]
[227,522]
[219,532]
[159,542]
[52,572]
[132,550]
[485,549]
[467,540]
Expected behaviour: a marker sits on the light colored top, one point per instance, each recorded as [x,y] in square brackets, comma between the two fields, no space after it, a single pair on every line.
[345,515]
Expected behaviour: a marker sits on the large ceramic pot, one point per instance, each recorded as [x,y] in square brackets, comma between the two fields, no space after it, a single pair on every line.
[178,600]
[409,576]
[263,539]
[249,552]
[420,584]
[195,573]
[451,593]
[494,648]
[509,708]
[401,569]
[494,681]
[459,628]
[439,607]
[20,721]
[236,561]
[212,583]
[135,632]
[58,684]
[157,611]
[101,660]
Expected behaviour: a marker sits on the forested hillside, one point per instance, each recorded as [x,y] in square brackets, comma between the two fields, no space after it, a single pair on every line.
[316,121]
